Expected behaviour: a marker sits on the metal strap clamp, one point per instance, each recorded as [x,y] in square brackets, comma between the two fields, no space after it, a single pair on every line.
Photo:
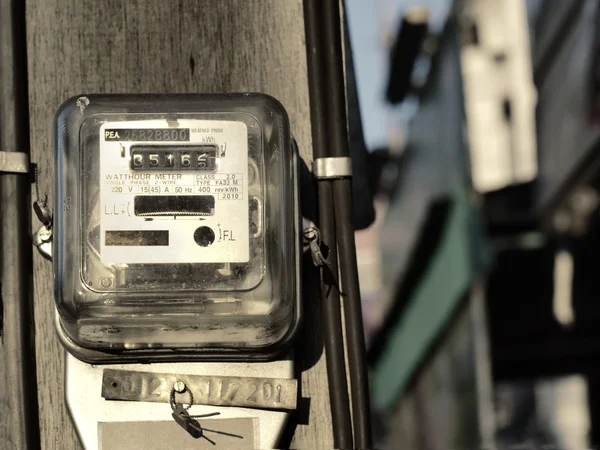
[14,162]
[333,167]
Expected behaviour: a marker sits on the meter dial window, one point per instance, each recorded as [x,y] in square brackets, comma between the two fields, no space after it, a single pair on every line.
[173,157]
[173,205]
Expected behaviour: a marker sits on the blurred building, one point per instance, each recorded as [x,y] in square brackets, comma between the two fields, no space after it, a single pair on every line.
[479,283]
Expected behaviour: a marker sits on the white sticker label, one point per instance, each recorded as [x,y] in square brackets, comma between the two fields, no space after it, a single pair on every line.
[174,192]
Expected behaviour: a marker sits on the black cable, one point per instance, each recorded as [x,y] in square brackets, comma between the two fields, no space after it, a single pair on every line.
[17,340]
[334,82]
[337,133]
[355,335]
[332,324]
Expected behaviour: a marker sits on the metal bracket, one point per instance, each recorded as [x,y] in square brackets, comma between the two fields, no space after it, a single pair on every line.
[14,162]
[334,167]
[311,242]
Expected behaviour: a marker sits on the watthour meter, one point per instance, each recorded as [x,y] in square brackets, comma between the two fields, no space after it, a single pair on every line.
[176,228]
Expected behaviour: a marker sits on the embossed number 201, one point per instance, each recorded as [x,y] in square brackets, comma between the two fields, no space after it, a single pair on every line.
[267,392]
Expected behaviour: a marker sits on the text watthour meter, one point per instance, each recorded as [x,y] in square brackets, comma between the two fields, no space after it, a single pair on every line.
[176,228]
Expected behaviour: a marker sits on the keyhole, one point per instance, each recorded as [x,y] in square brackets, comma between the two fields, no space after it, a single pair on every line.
[204,236]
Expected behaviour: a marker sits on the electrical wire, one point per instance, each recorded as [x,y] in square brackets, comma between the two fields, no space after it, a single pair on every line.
[355,336]
[20,418]
[333,79]
[337,133]
[332,323]
[330,138]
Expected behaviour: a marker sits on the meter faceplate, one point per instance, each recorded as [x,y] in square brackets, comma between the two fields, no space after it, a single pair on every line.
[171,201]
[179,230]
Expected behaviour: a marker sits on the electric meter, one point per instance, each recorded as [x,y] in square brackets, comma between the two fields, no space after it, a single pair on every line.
[176,228]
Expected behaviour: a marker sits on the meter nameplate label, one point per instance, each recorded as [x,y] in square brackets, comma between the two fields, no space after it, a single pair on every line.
[264,393]
[174,192]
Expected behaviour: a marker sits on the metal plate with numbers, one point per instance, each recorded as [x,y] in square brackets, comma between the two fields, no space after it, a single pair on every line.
[264,393]
[89,409]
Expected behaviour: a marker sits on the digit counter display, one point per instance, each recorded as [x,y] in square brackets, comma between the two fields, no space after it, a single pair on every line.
[173,157]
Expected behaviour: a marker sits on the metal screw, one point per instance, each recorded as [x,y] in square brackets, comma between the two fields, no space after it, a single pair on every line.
[179,387]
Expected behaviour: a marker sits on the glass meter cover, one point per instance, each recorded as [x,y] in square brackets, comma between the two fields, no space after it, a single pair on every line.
[176,227]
